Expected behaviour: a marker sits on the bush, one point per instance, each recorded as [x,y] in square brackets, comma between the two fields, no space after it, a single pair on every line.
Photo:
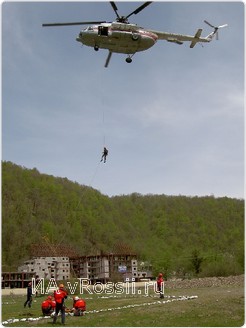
[221,267]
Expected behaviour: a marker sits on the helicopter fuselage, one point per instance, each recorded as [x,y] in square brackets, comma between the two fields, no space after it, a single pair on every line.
[117,37]
[122,37]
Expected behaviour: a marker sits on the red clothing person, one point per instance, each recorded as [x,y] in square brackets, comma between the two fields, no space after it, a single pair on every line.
[53,302]
[60,296]
[48,306]
[160,285]
[79,306]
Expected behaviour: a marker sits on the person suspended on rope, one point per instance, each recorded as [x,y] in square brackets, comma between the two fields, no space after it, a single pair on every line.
[104,155]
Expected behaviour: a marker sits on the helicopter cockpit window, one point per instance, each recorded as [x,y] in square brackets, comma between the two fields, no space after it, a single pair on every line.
[103,30]
[88,28]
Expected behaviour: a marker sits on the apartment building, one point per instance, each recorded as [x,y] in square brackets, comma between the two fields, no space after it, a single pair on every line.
[48,267]
[105,267]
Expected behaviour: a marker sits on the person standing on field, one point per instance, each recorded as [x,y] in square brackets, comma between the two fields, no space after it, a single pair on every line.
[160,285]
[60,295]
[29,296]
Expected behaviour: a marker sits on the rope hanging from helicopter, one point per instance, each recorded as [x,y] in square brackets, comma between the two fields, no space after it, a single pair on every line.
[94,174]
[104,153]
[104,137]
[103,106]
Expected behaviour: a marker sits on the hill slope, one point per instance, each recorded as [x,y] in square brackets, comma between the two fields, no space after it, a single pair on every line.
[175,233]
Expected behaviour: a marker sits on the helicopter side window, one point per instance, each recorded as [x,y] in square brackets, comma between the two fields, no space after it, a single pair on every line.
[103,30]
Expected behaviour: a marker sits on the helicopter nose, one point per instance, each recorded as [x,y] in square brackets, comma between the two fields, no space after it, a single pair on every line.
[79,37]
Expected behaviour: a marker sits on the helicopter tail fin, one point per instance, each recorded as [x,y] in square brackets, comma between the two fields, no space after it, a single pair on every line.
[196,38]
[210,36]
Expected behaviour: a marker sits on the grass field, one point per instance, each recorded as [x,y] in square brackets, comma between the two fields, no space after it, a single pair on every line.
[215,306]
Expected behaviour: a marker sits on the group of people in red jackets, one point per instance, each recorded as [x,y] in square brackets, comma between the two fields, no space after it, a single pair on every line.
[56,304]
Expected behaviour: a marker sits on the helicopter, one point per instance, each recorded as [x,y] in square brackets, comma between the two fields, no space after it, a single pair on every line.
[120,36]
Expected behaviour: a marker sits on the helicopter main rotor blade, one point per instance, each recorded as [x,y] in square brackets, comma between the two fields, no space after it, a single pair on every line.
[114,8]
[140,8]
[75,23]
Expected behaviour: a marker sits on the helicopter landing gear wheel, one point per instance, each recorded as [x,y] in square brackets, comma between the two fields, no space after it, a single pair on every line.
[128,60]
[96,48]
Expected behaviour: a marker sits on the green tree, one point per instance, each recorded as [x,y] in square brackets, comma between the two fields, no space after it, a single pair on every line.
[196,261]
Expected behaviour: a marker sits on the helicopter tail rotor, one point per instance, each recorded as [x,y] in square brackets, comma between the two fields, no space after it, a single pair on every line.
[216,29]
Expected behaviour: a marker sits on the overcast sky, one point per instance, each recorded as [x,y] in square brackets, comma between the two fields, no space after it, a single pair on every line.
[172,120]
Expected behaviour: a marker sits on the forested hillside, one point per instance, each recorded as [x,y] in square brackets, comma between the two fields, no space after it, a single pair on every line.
[188,235]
